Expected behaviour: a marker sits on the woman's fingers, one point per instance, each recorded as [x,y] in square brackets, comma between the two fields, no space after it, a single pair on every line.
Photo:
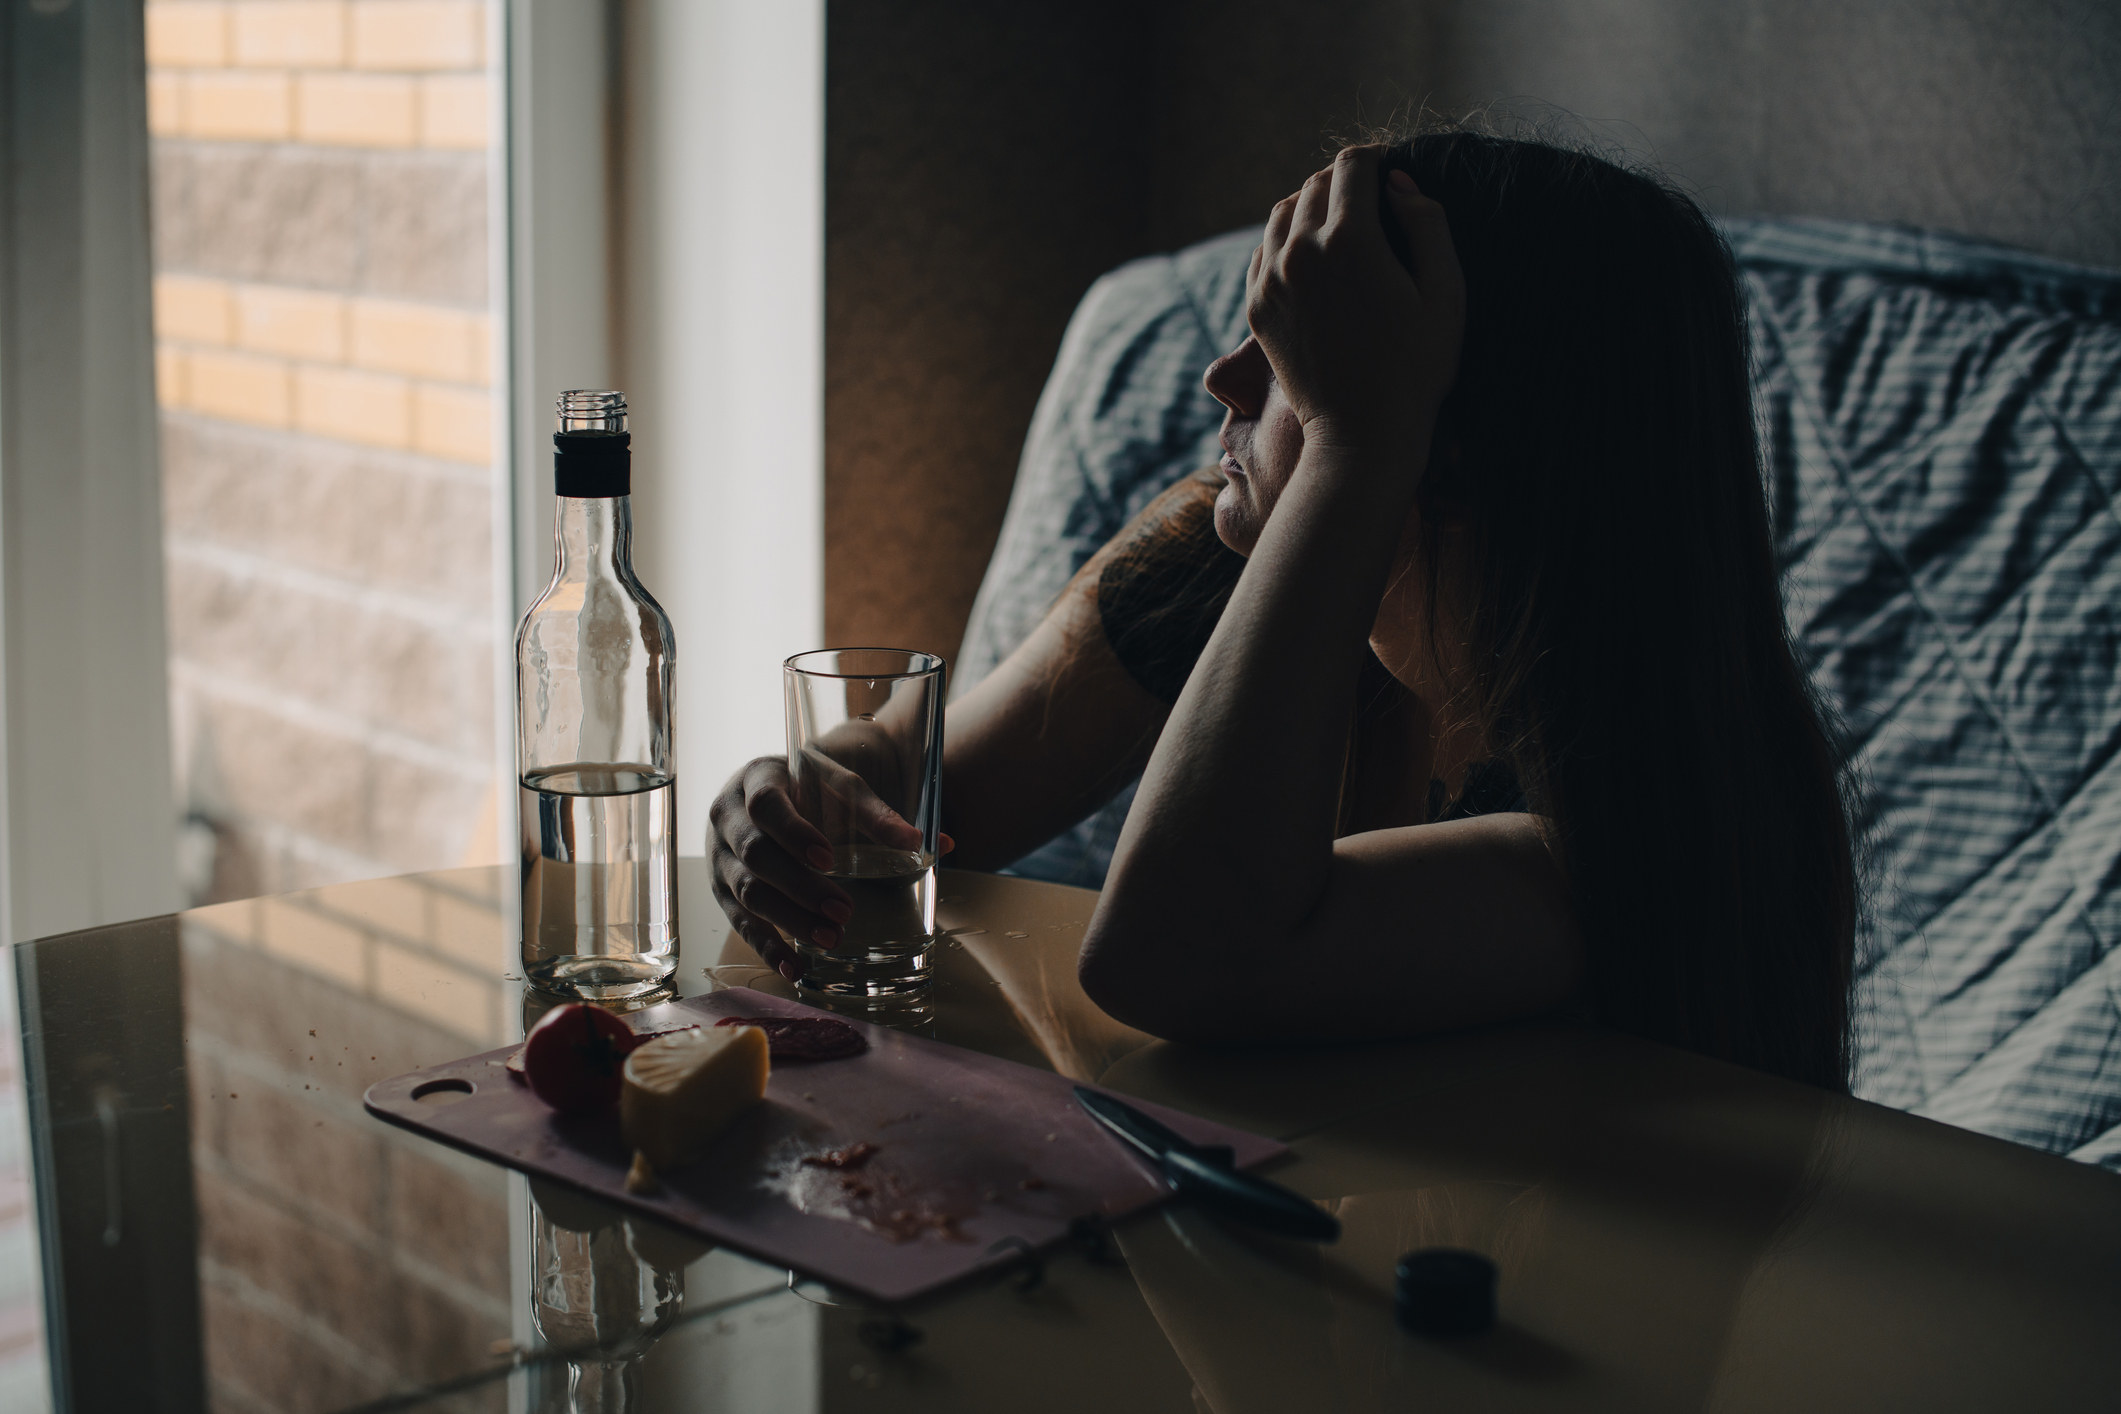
[769,800]
[762,898]
[1311,204]
[1429,239]
[870,815]
[1354,198]
[754,823]
[1277,232]
[773,950]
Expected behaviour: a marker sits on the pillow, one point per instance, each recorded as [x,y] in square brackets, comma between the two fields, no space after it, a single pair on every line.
[1944,451]
[1942,429]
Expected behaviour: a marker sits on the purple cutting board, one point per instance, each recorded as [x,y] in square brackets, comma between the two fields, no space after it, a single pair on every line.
[977,1159]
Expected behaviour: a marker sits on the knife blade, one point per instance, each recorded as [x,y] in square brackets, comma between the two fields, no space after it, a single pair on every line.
[1207,1174]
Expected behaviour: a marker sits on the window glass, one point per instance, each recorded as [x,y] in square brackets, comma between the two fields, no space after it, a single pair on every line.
[323,364]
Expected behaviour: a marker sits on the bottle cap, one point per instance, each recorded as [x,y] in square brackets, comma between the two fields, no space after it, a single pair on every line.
[1446,1291]
[592,464]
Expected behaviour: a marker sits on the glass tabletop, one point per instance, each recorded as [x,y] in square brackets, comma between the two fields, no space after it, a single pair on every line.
[223,1225]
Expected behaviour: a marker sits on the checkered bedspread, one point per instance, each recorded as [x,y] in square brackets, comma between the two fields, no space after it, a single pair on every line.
[1943,427]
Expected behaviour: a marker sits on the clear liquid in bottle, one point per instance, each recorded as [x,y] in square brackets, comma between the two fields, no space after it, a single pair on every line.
[595,665]
[599,879]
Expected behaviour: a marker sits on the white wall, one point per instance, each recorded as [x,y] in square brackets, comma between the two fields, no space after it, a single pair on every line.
[720,274]
[90,830]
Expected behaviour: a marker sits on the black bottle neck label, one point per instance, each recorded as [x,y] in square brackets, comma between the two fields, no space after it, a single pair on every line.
[592,464]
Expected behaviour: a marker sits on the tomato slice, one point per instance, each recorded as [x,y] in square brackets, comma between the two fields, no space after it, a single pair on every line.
[575,1056]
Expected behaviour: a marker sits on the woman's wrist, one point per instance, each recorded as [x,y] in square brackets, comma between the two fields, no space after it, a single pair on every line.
[1397,437]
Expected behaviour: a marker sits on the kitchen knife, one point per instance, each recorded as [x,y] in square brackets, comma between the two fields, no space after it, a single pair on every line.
[1207,1174]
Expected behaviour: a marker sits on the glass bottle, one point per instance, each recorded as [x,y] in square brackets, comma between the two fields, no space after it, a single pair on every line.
[594,660]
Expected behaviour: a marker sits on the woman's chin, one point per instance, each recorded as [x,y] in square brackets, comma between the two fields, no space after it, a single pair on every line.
[1233,521]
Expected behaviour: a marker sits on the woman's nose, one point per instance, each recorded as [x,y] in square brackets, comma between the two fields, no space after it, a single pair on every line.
[1238,380]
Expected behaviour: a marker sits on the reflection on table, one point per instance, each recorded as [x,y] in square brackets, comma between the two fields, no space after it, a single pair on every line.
[1672,1233]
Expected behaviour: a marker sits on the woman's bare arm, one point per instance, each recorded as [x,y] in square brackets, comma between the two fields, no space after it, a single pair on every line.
[1062,724]
[1227,876]
[1045,739]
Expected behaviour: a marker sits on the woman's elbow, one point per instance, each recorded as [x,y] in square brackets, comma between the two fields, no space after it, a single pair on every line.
[1130,987]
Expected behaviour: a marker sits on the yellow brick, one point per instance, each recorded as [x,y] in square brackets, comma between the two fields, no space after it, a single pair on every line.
[353,407]
[312,941]
[299,34]
[456,423]
[453,111]
[242,387]
[426,987]
[412,338]
[187,36]
[482,351]
[195,310]
[299,323]
[224,104]
[477,937]
[388,905]
[419,34]
[360,110]
[169,376]
[165,104]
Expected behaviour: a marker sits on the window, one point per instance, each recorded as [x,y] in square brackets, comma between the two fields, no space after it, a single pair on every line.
[323,361]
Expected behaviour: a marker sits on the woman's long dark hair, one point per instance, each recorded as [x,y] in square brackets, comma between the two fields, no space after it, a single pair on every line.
[1612,570]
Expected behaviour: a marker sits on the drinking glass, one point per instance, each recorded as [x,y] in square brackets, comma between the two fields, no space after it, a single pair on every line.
[865,748]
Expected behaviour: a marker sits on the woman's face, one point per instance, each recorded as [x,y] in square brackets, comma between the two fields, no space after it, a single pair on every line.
[1261,441]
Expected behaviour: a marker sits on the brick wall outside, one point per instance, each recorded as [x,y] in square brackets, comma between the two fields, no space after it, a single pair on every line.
[322,359]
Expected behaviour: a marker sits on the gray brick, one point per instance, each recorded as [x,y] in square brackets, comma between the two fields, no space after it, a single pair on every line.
[252,763]
[406,225]
[427,227]
[430,813]
[284,215]
[380,519]
[393,673]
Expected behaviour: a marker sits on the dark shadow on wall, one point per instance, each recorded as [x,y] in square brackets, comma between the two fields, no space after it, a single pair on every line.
[985,163]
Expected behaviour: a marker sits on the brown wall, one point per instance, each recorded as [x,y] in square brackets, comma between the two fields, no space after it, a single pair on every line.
[985,162]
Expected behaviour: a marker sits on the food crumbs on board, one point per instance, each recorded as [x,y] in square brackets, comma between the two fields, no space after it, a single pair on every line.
[312,1031]
[851,1157]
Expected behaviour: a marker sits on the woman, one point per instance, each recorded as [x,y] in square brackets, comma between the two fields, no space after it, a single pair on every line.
[1500,717]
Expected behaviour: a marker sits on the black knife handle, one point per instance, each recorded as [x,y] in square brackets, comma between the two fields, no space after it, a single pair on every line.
[1242,1198]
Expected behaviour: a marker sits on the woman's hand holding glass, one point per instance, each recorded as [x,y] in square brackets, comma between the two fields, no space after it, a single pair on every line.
[1363,349]
[768,862]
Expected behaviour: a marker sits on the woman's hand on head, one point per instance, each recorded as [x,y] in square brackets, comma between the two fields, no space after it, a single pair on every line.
[1363,349]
